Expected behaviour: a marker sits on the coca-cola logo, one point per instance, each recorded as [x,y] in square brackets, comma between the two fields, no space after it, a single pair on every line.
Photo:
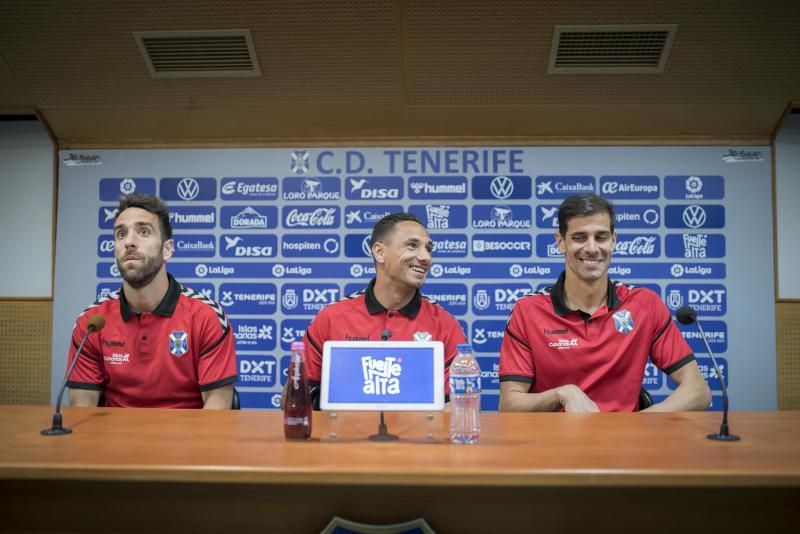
[638,246]
[316,218]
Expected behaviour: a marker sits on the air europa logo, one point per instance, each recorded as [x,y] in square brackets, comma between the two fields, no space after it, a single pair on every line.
[381,376]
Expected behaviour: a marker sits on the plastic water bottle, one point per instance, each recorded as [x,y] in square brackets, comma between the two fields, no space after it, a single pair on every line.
[465,397]
[297,410]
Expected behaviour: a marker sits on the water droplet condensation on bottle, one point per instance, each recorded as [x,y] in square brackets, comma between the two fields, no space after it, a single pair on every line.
[465,397]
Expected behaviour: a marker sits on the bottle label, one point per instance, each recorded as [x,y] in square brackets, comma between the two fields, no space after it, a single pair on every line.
[295,421]
[465,385]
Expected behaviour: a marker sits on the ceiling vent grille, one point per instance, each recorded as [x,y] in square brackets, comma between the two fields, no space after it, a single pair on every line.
[611,49]
[199,54]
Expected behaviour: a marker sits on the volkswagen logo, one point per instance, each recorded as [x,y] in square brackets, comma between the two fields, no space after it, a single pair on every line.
[502,187]
[694,216]
[188,188]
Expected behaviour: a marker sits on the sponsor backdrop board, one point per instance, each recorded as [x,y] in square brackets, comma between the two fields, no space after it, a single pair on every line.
[274,235]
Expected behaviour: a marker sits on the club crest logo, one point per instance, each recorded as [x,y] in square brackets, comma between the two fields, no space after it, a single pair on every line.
[178,343]
[623,321]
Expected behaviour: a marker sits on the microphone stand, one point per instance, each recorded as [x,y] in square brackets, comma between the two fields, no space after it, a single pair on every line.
[723,434]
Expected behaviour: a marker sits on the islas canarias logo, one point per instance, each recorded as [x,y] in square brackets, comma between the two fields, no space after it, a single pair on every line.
[381,375]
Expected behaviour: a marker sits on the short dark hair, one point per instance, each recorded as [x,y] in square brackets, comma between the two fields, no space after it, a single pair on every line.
[385,226]
[583,205]
[150,203]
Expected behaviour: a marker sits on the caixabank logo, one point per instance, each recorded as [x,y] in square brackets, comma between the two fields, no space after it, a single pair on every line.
[248,298]
[312,188]
[310,246]
[249,188]
[629,187]
[248,217]
[248,245]
[502,217]
[695,246]
[498,299]
[374,188]
[113,188]
[552,187]
[451,297]
[367,216]
[488,187]
[254,333]
[502,246]
[694,187]
[440,216]
[188,189]
[307,299]
[257,370]
[194,245]
[300,217]
[437,187]
[706,299]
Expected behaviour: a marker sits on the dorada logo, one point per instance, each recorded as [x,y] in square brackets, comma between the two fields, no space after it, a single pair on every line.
[311,218]
[249,218]
[381,376]
[364,189]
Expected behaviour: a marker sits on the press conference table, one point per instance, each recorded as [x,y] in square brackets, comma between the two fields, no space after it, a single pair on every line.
[130,470]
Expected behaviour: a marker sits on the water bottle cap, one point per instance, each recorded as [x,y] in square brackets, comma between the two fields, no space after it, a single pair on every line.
[464,347]
[298,345]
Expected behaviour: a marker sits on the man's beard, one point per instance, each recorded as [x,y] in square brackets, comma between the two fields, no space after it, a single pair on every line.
[145,274]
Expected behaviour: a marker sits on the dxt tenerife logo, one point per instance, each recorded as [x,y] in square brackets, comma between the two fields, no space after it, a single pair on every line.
[694,187]
[299,162]
[194,246]
[638,245]
[699,246]
[250,188]
[637,216]
[451,297]
[310,246]
[112,188]
[695,216]
[381,375]
[374,188]
[440,216]
[437,187]
[312,188]
[189,188]
[449,245]
[249,299]
[257,370]
[254,334]
[629,187]
[551,187]
[367,216]
[502,246]
[248,245]
[497,299]
[501,187]
[706,299]
[248,217]
[304,299]
[502,217]
[310,217]
[189,217]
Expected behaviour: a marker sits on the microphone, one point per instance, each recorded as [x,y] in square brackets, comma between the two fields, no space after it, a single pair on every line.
[94,323]
[386,334]
[687,315]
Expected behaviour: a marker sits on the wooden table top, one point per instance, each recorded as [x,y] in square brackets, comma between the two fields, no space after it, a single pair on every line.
[551,449]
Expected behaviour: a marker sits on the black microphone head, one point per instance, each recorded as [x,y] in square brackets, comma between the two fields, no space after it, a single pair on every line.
[95,322]
[686,315]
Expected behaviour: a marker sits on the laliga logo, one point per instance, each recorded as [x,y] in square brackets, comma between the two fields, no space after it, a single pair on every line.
[278,270]
[437,271]
[201,270]
[299,162]
[127,186]
[515,270]
[114,270]
[694,184]
[676,270]
[356,270]
[502,187]
[188,189]
[381,377]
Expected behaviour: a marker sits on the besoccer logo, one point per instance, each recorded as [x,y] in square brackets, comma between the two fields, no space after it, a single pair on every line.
[178,343]
[299,162]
